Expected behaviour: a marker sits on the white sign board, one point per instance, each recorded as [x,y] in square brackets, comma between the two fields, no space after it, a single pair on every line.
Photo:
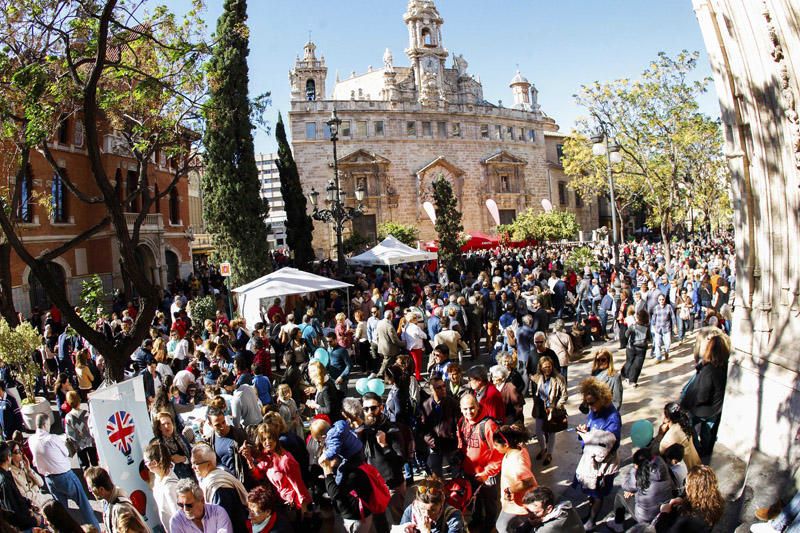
[225,270]
[119,416]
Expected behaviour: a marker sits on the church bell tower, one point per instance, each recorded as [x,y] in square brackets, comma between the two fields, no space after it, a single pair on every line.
[307,78]
[426,50]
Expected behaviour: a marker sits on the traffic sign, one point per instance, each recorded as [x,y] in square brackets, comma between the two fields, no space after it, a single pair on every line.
[225,270]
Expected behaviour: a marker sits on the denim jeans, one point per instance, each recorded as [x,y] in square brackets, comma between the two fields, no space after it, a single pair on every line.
[67,486]
[789,519]
[661,341]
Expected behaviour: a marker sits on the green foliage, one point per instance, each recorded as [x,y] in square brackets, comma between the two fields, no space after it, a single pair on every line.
[17,346]
[667,145]
[553,226]
[92,298]
[202,309]
[299,225]
[448,221]
[355,243]
[579,258]
[405,233]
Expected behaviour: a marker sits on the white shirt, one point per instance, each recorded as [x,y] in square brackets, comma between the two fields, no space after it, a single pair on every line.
[50,455]
[413,336]
[166,497]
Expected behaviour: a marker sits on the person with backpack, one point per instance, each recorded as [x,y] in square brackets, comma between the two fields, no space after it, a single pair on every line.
[114,502]
[638,336]
[430,512]
[481,463]
[386,448]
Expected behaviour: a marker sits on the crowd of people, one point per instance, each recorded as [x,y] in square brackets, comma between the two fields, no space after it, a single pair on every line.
[257,427]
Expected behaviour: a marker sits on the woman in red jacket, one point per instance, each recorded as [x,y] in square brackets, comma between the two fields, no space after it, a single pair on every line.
[275,464]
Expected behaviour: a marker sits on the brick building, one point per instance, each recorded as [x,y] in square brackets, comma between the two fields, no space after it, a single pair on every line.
[404,126]
[164,247]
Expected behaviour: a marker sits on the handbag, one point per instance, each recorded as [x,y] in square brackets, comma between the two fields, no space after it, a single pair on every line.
[556,422]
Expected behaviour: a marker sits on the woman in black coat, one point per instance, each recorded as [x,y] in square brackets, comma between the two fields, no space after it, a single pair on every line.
[704,394]
[638,337]
[327,398]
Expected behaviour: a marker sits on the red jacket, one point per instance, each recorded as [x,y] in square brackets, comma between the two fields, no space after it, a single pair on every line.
[492,403]
[476,441]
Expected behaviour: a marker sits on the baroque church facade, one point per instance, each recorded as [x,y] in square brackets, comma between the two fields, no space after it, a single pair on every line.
[402,127]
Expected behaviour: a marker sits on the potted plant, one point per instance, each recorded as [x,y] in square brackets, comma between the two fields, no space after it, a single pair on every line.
[17,346]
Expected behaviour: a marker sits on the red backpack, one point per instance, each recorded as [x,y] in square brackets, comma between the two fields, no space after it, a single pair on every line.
[379,495]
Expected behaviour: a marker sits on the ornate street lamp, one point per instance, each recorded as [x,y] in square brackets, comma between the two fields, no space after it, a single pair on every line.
[603,145]
[335,198]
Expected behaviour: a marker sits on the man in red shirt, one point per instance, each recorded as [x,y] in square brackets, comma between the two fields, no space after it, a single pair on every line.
[488,396]
[482,462]
[180,325]
[275,313]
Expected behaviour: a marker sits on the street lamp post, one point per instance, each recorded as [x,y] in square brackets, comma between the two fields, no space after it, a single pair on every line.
[602,145]
[335,198]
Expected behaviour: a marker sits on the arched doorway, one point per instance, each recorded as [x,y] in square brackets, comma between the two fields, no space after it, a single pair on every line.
[172,266]
[38,294]
[147,261]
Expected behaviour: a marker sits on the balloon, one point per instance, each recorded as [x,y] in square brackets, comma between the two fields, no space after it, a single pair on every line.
[641,433]
[322,356]
[376,385]
[547,205]
[430,210]
[362,386]
[139,501]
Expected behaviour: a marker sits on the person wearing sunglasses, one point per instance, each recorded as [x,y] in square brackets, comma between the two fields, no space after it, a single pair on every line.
[195,514]
[429,512]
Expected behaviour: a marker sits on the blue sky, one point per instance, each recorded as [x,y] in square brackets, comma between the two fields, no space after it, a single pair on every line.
[558,45]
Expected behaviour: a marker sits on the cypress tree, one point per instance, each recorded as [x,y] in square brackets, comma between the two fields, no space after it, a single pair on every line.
[299,225]
[234,211]
[448,222]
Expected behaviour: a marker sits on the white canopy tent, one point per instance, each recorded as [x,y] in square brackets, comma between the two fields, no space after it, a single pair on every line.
[280,283]
[390,252]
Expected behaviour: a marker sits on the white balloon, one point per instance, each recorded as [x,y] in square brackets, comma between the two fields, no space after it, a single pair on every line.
[429,209]
[546,205]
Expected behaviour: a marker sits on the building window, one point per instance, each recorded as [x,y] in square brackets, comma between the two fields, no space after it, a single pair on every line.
[156,193]
[456,129]
[522,134]
[311,90]
[378,128]
[427,131]
[326,132]
[507,216]
[441,130]
[510,133]
[59,198]
[562,193]
[427,40]
[174,207]
[130,189]
[63,131]
[411,128]
[484,131]
[25,207]
[361,128]
[505,183]
[498,132]
[77,135]
[559,152]
[311,131]
[532,135]
[344,129]
[578,200]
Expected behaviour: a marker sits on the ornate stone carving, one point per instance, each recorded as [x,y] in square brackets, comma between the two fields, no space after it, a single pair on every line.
[388,61]
[460,64]
[430,95]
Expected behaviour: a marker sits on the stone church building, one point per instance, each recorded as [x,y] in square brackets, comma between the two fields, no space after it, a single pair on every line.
[402,126]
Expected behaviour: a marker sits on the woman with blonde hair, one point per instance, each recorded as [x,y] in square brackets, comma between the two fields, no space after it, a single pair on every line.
[600,437]
[273,463]
[413,336]
[84,374]
[324,398]
[603,370]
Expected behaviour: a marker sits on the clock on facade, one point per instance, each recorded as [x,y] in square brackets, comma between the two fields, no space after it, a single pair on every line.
[429,64]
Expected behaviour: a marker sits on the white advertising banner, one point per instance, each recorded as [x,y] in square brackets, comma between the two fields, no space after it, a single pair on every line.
[123,427]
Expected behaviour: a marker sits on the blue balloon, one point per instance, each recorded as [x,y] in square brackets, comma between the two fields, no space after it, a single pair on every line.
[641,433]
[322,356]
[377,386]
[362,386]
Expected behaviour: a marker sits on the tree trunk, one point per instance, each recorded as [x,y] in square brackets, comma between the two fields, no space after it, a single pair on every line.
[665,237]
[7,309]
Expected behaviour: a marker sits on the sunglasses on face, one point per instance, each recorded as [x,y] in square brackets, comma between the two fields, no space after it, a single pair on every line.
[184,505]
[371,408]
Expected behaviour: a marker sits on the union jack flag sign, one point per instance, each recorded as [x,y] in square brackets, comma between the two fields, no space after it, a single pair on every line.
[120,429]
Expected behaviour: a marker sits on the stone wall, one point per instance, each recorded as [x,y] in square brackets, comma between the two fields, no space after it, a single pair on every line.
[754,48]
[459,157]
